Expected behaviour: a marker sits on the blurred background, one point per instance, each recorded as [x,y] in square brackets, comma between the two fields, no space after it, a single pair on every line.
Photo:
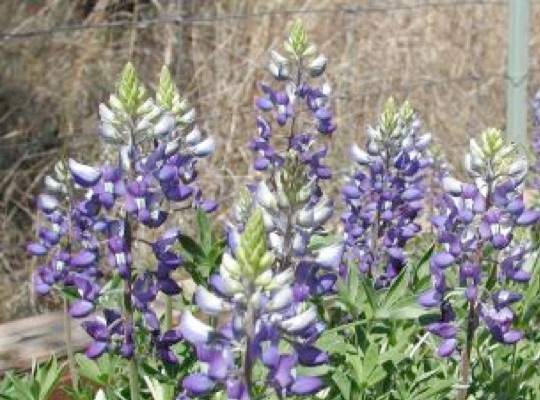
[60,58]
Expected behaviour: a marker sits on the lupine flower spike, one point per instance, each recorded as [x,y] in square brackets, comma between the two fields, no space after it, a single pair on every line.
[152,175]
[480,251]
[298,102]
[385,192]
[263,316]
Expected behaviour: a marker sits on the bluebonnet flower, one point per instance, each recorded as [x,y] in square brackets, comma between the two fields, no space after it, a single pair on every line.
[535,169]
[295,213]
[478,228]
[384,194]
[283,108]
[263,315]
[154,175]
[294,206]
[68,242]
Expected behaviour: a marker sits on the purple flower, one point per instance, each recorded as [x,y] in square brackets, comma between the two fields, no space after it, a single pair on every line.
[384,195]
[262,314]
[473,217]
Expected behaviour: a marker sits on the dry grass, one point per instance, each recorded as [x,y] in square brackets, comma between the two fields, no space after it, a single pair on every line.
[448,59]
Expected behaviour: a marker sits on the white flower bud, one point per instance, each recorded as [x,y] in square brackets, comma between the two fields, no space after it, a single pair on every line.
[264,279]
[330,256]
[208,302]
[306,217]
[204,148]
[323,211]
[194,137]
[518,168]
[279,72]
[300,321]
[266,198]
[189,117]
[452,185]
[476,151]
[283,298]
[359,155]
[276,242]
[231,265]
[53,185]
[318,66]
[165,125]
[283,278]
[172,147]
[278,58]
[105,114]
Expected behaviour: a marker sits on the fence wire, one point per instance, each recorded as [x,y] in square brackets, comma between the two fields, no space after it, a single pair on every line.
[353,9]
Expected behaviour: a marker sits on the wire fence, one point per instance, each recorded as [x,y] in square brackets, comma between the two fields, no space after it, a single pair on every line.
[353,9]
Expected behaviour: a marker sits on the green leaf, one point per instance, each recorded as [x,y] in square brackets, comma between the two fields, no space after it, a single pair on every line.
[191,246]
[23,388]
[205,232]
[49,378]
[406,308]
[343,383]
[371,297]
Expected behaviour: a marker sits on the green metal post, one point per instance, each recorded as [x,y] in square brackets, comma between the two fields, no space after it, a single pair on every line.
[518,72]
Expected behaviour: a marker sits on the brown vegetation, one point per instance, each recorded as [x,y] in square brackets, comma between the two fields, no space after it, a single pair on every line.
[449,59]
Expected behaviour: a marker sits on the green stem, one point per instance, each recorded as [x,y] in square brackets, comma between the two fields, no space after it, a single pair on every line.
[168,313]
[128,319]
[133,379]
[169,391]
[465,364]
[132,363]
[69,348]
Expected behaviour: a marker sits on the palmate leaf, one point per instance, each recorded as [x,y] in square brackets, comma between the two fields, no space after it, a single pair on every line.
[202,255]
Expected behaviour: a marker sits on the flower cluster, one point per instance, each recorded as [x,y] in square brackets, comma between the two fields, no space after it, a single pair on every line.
[68,237]
[265,327]
[478,230]
[535,181]
[294,214]
[295,73]
[152,175]
[384,194]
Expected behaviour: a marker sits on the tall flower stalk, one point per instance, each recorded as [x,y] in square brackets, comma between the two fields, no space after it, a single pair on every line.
[69,249]
[266,327]
[279,255]
[384,195]
[480,253]
[150,177]
[291,197]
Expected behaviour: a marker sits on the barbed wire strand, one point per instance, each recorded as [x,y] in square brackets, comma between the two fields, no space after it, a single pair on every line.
[181,21]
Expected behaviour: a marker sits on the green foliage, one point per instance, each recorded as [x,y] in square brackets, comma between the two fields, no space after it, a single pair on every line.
[38,385]
[202,256]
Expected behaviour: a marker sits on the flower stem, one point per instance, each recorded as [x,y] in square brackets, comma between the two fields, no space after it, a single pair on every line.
[128,318]
[133,379]
[248,362]
[69,347]
[465,364]
[168,313]
[132,362]
[169,390]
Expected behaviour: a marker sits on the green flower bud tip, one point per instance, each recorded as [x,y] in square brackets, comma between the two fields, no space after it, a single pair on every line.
[406,112]
[389,116]
[298,42]
[167,91]
[292,178]
[131,93]
[253,245]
